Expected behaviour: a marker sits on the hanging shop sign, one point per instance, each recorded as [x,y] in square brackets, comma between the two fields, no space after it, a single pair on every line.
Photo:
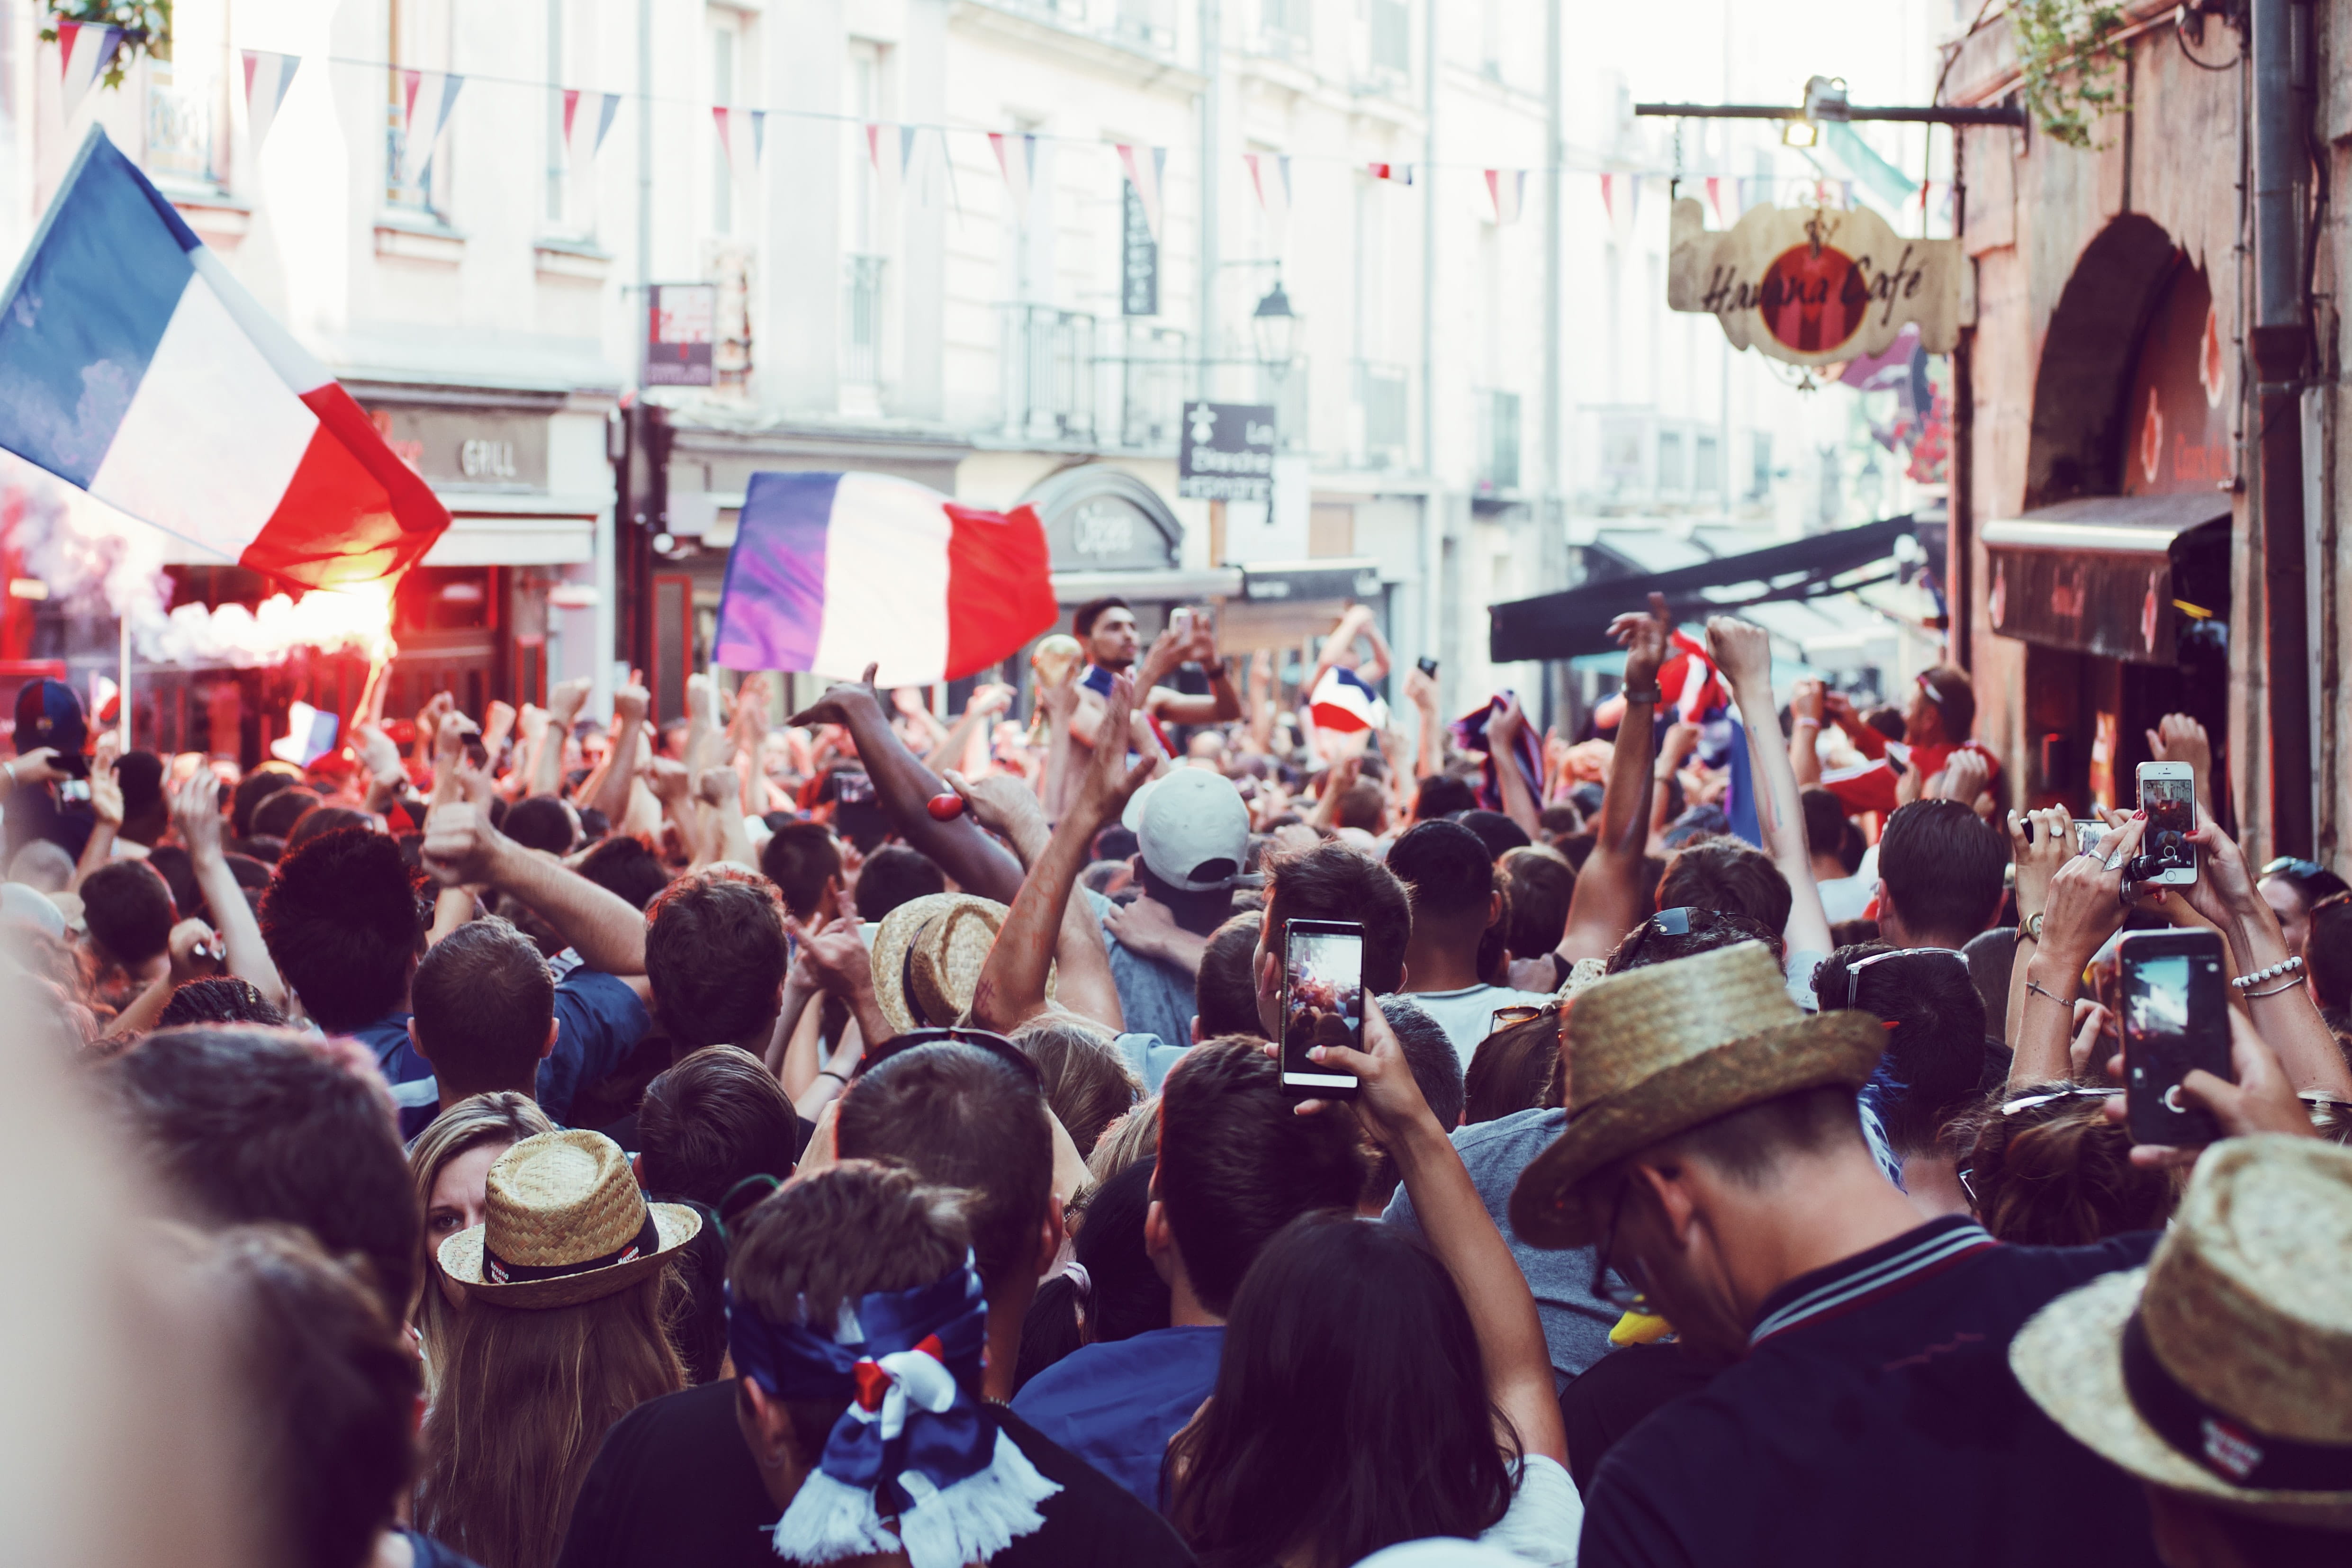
[1226,452]
[1818,284]
[681,323]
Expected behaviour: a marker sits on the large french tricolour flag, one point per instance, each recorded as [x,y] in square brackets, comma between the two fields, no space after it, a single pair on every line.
[133,365]
[832,572]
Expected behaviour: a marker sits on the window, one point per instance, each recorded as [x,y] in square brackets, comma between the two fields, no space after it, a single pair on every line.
[1707,464]
[723,96]
[863,230]
[1289,25]
[1759,482]
[1671,478]
[1391,35]
[1498,441]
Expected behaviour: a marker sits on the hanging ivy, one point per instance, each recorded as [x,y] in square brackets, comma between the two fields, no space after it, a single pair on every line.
[145,24]
[2068,58]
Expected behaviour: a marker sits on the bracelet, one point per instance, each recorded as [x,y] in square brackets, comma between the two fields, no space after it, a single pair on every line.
[840,1077]
[2041,990]
[1801,720]
[2287,965]
[1650,694]
[2274,991]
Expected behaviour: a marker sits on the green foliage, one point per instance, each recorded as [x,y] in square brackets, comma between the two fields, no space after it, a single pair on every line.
[2068,54]
[146,29]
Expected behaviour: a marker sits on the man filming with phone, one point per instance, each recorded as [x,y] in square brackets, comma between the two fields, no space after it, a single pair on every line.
[48,778]
[1106,627]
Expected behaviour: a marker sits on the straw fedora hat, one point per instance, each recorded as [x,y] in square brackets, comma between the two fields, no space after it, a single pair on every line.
[564,1223]
[2223,1369]
[1658,1050]
[927,954]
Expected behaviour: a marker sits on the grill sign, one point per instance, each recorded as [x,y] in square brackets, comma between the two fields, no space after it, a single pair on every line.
[1815,286]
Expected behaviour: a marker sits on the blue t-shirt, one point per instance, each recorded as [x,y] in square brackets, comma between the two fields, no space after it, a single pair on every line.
[1154,999]
[1116,1405]
[599,1021]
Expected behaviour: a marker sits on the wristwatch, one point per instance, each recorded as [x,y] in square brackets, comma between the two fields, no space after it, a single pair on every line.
[2031,929]
[1650,694]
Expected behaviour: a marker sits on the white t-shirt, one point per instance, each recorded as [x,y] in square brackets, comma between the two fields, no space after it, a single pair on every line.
[1467,1015]
[1542,1524]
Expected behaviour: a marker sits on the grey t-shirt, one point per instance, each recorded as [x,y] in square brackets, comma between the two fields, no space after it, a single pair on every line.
[1576,1324]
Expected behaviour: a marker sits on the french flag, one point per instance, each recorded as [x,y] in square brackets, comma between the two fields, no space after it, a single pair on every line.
[1343,704]
[832,572]
[132,365]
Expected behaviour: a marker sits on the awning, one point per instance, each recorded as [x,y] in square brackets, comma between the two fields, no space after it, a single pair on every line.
[1576,621]
[1174,586]
[2094,575]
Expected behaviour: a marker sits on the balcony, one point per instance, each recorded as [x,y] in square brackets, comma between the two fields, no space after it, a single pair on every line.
[1145,26]
[1070,379]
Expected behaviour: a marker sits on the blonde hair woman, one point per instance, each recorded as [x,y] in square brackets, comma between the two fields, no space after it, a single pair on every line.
[451,1162]
[569,1282]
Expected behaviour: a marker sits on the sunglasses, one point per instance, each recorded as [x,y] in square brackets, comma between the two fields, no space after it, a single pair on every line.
[1854,971]
[1618,1291]
[1967,1170]
[2291,866]
[1504,1017]
[988,1040]
[1675,922]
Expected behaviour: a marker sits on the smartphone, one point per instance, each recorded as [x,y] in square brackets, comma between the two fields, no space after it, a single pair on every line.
[2176,1017]
[1322,1003]
[2088,837]
[1428,666]
[74,791]
[1179,621]
[2167,793]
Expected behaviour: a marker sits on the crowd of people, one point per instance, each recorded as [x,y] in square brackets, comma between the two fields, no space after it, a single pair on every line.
[544,1140]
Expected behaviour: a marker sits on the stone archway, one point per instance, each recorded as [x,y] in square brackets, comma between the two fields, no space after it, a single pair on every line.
[2075,446]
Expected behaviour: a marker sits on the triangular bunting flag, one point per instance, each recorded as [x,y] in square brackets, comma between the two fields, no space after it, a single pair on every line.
[1144,174]
[1016,158]
[1509,190]
[1715,197]
[571,107]
[84,51]
[906,149]
[1402,174]
[426,99]
[874,144]
[268,75]
[1609,195]
[1270,175]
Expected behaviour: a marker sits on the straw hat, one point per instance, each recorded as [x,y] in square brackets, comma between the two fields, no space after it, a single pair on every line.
[927,954]
[1658,1050]
[2236,1338]
[564,1223]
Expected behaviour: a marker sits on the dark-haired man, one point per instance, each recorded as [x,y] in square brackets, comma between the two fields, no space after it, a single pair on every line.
[1866,1413]
[1333,882]
[1227,987]
[1236,1164]
[895,875]
[128,909]
[702,1477]
[1940,869]
[804,860]
[245,1124]
[1454,900]
[1936,723]
[1107,629]
[483,1012]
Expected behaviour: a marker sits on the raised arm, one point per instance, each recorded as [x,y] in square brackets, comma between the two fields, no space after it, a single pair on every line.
[564,705]
[609,792]
[196,817]
[2040,842]
[2085,905]
[1744,652]
[904,787]
[1084,983]
[461,848]
[1608,899]
[1429,747]
[105,808]
[1503,746]
[1011,985]
[1805,732]
[1221,704]
[1390,1107]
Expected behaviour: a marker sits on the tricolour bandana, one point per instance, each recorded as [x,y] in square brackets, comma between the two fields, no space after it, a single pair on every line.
[914,1448]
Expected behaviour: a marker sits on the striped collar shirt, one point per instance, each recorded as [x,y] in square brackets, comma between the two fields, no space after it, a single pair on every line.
[1856,1281]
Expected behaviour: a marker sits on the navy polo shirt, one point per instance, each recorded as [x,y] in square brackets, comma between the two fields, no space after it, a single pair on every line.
[1875,1420]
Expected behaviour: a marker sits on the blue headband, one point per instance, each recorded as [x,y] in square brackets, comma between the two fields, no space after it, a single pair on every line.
[914,1446]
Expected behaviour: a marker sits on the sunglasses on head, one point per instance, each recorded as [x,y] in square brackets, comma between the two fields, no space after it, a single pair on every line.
[2292,866]
[1675,922]
[988,1040]
[1854,971]
[1521,1013]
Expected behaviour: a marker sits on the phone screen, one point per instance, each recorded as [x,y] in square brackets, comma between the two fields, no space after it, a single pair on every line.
[2175,1019]
[1322,1001]
[2171,807]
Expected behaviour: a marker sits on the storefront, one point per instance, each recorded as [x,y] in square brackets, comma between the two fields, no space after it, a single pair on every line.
[2122,596]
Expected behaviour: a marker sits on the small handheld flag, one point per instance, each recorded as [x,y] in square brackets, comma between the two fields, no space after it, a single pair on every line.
[831,572]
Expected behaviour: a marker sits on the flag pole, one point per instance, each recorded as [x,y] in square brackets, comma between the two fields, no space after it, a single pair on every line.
[122,690]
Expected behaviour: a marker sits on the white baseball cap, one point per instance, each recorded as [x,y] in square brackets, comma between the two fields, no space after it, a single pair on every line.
[1192,828]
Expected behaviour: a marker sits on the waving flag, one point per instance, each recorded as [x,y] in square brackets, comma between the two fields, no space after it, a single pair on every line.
[832,572]
[268,75]
[84,51]
[1343,703]
[133,365]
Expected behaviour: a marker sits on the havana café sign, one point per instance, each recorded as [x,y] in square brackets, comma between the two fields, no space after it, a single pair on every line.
[1818,285]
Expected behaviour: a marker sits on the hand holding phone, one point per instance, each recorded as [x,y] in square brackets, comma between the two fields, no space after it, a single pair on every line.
[1322,1004]
[2167,794]
[2176,1018]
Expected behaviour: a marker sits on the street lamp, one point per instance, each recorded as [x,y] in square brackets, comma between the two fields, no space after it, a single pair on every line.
[1275,326]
